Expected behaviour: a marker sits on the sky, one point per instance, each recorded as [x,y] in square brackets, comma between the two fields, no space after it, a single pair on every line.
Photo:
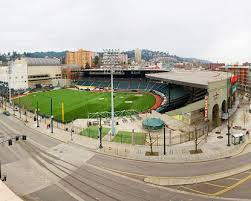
[216,30]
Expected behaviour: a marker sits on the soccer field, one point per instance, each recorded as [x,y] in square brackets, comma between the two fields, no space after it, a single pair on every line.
[77,104]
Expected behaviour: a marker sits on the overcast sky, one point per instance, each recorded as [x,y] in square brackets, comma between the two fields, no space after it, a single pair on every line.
[217,30]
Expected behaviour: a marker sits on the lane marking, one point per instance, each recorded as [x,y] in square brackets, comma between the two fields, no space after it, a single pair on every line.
[235,179]
[211,184]
[122,172]
[232,186]
[196,191]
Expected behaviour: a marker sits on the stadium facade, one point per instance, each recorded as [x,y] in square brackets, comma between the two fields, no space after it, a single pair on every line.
[191,96]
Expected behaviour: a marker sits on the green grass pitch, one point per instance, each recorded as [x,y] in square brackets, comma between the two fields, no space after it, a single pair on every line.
[77,104]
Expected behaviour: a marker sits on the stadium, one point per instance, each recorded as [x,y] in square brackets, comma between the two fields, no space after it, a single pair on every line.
[139,94]
[133,91]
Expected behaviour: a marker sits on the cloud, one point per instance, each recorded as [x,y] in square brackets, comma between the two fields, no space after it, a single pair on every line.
[209,29]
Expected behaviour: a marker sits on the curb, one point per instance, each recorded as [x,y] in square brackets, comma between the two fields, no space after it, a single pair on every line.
[171,181]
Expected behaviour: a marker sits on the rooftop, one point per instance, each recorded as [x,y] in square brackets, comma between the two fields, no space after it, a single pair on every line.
[192,78]
[42,61]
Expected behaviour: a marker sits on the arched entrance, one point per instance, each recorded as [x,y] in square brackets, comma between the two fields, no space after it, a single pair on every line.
[216,117]
[224,106]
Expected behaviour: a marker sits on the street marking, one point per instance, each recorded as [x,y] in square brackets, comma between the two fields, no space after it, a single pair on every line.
[230,178]
[211,184]
[233,186]
[122,172]
[196,191]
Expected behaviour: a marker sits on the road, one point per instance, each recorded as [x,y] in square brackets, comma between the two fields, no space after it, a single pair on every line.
[167,169]
[44,169]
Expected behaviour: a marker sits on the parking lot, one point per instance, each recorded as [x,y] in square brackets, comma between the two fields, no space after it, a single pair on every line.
[237,186]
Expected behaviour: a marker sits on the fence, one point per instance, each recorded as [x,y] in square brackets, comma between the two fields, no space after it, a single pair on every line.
[181,137]
[121,137]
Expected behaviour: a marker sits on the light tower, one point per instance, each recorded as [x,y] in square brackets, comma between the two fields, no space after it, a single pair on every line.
[111,59]
[9,81]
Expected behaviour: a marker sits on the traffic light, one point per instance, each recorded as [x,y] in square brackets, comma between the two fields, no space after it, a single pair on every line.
[10,142]
[24,137]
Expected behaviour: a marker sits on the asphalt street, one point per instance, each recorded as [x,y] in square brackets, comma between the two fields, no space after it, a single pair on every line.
[169,169]
[44,169]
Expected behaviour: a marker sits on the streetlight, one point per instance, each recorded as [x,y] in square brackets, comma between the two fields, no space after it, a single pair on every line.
[228,123]
[100,133]
[164,139]
[51,117]
[37,115]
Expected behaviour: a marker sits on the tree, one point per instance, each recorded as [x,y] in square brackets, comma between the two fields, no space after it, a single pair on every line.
[87,66]
[151,142]
[245,118]
[96,60]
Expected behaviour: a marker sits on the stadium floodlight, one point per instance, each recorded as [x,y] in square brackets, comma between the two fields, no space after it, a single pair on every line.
[111,59]
[9,80]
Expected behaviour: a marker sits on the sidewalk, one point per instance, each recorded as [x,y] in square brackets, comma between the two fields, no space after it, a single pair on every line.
[213,149]
[7,194]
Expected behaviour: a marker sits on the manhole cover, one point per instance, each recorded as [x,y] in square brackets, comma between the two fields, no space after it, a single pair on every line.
[219,137]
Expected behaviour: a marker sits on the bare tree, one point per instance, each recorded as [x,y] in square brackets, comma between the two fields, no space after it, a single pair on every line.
[151,142]
[245,117]
[196,137]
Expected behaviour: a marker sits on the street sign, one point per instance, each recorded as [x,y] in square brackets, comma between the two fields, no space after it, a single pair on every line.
[233,89]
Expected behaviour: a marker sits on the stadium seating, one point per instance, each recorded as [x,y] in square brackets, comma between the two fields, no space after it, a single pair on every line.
[180,96]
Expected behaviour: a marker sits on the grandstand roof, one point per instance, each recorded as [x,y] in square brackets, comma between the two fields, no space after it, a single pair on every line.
[42,61]
[192,78]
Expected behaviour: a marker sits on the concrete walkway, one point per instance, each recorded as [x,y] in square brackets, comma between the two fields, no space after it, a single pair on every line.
[6,194]
[213,148]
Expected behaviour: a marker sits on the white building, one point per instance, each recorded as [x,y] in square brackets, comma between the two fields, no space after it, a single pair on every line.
[15,74]
[27,72]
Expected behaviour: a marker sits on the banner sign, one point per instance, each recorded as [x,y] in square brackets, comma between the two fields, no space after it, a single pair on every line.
[233,79]
[206,108]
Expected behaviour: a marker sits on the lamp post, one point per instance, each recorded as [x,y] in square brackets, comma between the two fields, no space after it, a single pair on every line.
[228,125]
[100,133]
[37,115]
[51,117]
[19,107]
[164,139]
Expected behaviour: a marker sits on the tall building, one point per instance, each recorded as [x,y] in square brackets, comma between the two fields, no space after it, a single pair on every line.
[137,53]
[242,73]
[83,58]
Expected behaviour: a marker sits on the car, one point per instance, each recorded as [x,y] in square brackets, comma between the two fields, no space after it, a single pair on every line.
[6,113]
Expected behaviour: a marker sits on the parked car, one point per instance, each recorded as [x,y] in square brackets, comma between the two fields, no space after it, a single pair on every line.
[6,113]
